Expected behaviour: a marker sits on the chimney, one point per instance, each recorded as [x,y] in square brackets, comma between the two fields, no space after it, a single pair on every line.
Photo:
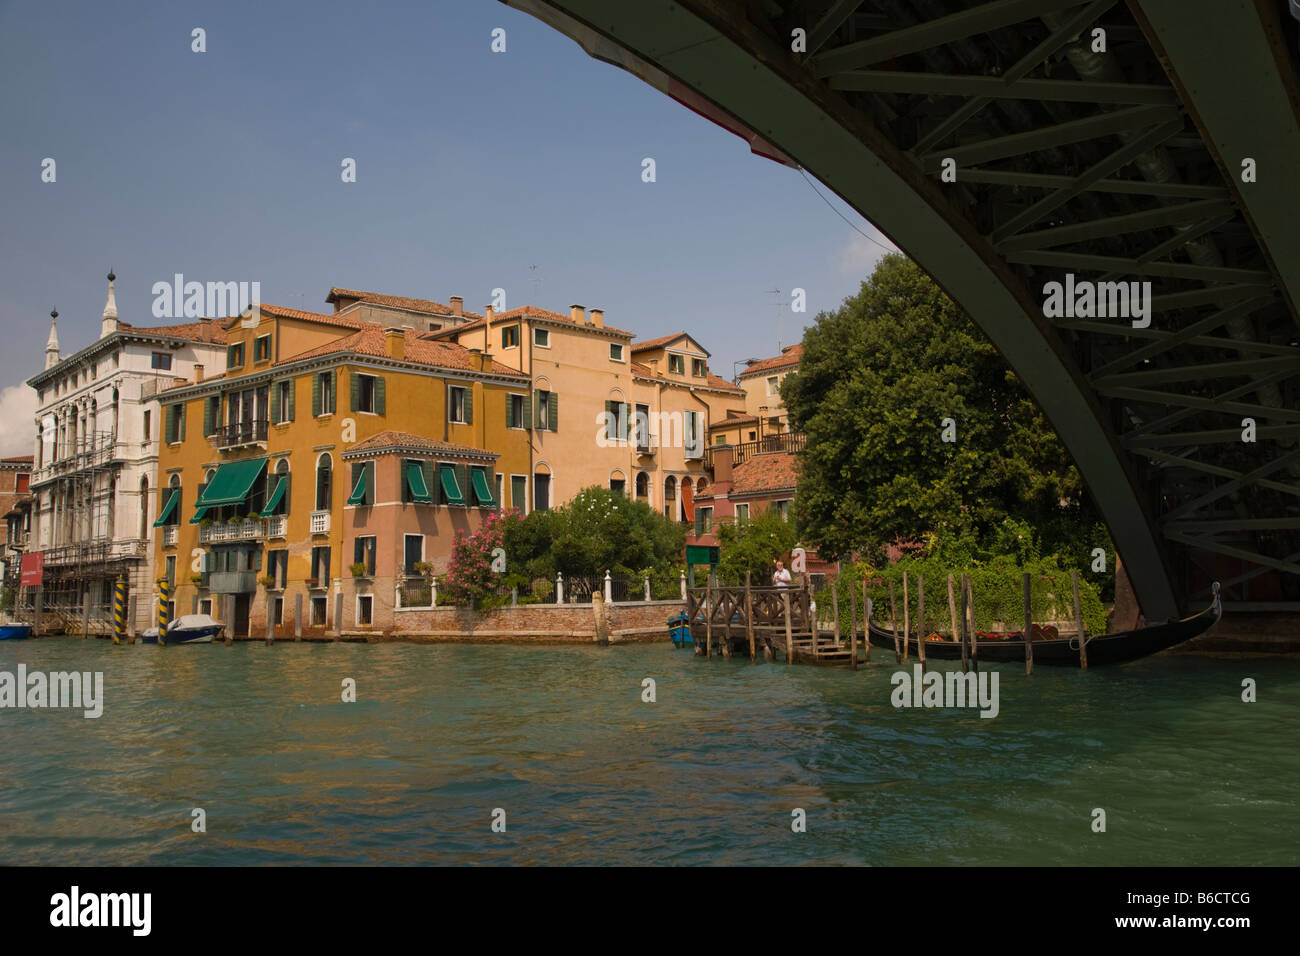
[487,310]
[578,314]
[457,305]
[198,373]
[598,318]
[476,360]
[395,343]
[721,469]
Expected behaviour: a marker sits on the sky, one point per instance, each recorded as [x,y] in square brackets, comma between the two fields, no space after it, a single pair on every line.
[472,168]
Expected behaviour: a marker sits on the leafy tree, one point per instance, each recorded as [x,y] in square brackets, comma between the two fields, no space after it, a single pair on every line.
[877,380]
[470,579]
[753,546]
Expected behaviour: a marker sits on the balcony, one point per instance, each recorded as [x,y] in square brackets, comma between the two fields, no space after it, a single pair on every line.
[232,582]
[240,434]
[169,535]
[645,449]
[320,522]
[276,526]
[251,529]
[791,442]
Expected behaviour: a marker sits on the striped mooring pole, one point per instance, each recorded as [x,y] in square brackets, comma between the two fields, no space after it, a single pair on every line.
[119,609]
[164,601]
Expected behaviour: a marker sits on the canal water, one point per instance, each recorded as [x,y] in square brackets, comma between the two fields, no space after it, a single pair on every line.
[588,773]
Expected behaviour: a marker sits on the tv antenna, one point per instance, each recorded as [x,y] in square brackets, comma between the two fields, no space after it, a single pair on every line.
[780,303]
[536,280]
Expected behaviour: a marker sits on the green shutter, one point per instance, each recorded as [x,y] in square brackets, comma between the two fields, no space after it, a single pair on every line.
[469,405]
[528,411]
[358,495]
[169,425]
[609,420]
[553,413]
[370,483]
[462,479]
[482,490]
[355,379]
[379,395]
[451,491]
[426,472]
[275,402]
[626,421]
[293,387]
[537,410]
[414,474]
[510,411]
[207,416]
[315,393]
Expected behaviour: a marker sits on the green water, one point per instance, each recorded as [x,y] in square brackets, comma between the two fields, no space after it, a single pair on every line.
[560,738]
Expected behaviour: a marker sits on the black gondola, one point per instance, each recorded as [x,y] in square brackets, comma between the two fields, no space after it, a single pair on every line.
[1064,652]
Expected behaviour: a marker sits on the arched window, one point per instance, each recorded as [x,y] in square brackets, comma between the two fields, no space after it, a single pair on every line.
[323,467]
[642,486]
[700,484]
[273,481]
[173,488]
[670,497]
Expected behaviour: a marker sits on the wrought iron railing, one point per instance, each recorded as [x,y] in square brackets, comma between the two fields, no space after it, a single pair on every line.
[792,442]
[240,433]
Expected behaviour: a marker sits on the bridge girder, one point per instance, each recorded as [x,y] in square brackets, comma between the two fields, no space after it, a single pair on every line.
[1068,160]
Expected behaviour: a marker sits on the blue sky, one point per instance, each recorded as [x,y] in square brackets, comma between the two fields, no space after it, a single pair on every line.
[472,166]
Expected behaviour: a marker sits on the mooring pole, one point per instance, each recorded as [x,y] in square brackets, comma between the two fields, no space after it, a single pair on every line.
[1078,622]
[920,620]
[893,621]
[1029,641]
[297,617]
[853,625]
[952,613]
[749,617]
[974,637]
[119,609]
[866,622]
[789,634]
[964,631]
[907,616]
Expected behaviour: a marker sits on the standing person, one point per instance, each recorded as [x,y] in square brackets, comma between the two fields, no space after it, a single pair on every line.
[780,577]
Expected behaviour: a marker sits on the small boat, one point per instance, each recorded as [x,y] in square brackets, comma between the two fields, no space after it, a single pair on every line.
[15,632]
[187,629]
[1064,652]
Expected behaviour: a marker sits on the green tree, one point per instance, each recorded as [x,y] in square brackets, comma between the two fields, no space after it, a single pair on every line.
[879,380]
[753,546]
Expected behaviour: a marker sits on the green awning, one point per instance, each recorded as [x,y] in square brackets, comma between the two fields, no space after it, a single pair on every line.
[276,497]
[168,508]
[447,475]
[415,481]
[478,478]
[198,515]
[358,496]
[232,483]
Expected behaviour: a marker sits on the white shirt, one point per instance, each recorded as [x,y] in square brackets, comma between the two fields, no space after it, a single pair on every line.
[781,578]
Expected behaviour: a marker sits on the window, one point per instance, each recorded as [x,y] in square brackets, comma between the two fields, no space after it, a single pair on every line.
[782,508]
[501,501]
[478,484]
[541,492]
[277,567]
[773,385]
[546,410]
[171,570]
[510,337]
[362,484]
[365,609]
[322,393]
[677,364]
[753,436]
[703,520]
[670,497]
[618,485]
[742,514]
[21,483]
[363,552]
[277,611]
[319,608]
[412,552]
[516,411]
[148,425]
[642,485]
[458,405]
[692,435]
[699,369]
[641,426]
[416,480]
[367,394]
[323,469]
[161,360]
[205,606]
[262,348]
[542,338]
[519,493]
[615,351]
[277,490]
[235,355]
[174,423]
[320,566]
[211,414]
[282,402]
[719,439]
[615,421]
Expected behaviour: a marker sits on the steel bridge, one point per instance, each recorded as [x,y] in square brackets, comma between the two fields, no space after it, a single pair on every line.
[1113,140]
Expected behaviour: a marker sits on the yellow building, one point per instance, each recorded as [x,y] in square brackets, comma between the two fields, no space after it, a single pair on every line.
[261,504]
[602,410]
[761,381]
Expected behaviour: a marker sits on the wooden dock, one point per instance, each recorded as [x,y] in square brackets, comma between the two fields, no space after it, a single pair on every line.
[774,622]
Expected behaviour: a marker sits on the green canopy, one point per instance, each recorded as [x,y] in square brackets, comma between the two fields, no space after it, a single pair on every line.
[168,508]
[358,496]
[415,481]
[478,478]
[276,497]
[450,488]
[198,516]
[232,483]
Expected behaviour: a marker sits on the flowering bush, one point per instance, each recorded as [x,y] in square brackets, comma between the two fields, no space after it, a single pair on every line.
[470,580]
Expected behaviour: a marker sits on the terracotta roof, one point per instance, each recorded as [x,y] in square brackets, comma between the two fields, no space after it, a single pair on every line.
[776,471]
[395,439]
[790,355]
[201,330]
[190,383]
[732,420]
[532,312]
[369,340]
[657,342]
[721,383]
[396,302]
[319,318]
[17,460]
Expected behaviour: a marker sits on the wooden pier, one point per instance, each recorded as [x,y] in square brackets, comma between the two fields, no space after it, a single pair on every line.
[774,622]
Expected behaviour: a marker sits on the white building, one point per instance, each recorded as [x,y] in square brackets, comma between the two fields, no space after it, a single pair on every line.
[94,472]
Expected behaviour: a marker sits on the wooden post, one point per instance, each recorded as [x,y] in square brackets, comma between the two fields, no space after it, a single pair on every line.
[85,615]
[974,638]
[749,617]
[727,611]
[228,615]
[853,626]
[907,618]
[297,617]
[1078,622]
[835,607]
[962,631]
[893,619]
[338,617]
[708,619]
[789,635]
[270,618]
[810,613]
[38,598]
[920,620]
[130,618]
[866,621]
[1029,642]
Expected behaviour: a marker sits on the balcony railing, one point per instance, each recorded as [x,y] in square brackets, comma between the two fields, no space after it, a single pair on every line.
[232,582]
[276,525]
[320,522]
[240,433]
[792,442]
[95,551]
[169,536]
[252,529]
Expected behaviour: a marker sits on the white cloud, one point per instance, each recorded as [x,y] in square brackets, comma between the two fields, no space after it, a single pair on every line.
[860,255]
[17,420]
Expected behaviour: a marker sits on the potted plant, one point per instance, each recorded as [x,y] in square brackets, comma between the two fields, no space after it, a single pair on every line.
[196,579]
[205,522]
[358,569]
[234,519]
[267,581]
[313,583]
[424,568]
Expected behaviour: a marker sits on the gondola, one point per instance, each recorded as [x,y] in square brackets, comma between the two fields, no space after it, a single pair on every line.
[1064,652]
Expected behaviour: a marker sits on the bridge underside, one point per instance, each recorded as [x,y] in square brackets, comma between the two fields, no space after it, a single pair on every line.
[1126,163]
